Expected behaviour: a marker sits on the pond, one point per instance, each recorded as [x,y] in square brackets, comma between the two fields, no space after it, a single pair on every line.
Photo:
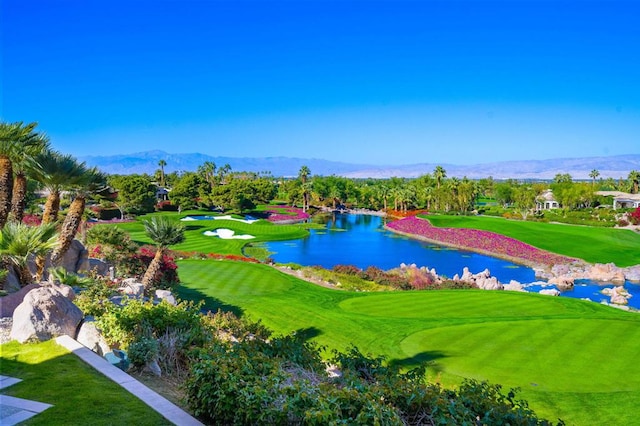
[362,241]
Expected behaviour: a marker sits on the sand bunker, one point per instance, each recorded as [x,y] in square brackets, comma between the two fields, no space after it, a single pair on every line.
[227,234]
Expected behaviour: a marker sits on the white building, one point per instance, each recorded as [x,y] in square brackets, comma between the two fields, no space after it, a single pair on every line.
[622,200]
[546,201]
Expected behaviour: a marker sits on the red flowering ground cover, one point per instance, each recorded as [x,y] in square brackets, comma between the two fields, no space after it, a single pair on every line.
[286,214]
[479,241]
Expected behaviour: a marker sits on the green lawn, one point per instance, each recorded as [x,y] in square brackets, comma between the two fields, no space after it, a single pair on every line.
[593,244]
[573,359]
[79,394]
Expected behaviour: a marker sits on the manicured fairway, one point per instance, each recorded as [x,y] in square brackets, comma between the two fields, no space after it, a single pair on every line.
[573,359]
[196,240]
[595,245]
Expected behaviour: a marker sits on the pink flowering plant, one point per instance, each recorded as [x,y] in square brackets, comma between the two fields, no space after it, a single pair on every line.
[287,214]
[479,241]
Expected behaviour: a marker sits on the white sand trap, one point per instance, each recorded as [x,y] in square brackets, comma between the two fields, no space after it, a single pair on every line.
[226,217]
[227,234]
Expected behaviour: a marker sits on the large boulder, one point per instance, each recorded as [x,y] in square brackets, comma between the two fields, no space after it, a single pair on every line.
[562,282]
[632,273]
[10,302]
[45,313]
[607,272]
[100,267]
[11,283]
[550,292]
[132,288]
[76,259]
[90,336]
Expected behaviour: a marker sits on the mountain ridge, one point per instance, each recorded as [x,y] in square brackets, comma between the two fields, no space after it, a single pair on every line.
[617,166]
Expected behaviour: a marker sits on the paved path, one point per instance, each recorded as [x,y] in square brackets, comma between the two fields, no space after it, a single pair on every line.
[15,410]
[166,408]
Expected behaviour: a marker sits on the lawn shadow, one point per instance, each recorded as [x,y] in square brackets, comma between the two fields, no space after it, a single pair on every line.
[308,333]
[193,227]
[211,304]
[427,357]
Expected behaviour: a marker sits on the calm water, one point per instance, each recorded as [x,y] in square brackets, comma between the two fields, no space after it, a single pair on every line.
[360,240]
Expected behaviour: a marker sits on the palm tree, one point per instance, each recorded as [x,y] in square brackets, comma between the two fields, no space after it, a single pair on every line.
[303,174]
[25,163]
[91,183]
[57,171]
[594,175]
[15,138]
[634,177]
[208,171]
[439,173]
[162,163]
[19,241]
[164,233]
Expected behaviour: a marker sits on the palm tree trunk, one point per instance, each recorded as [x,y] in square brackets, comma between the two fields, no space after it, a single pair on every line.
[24,275]
[19,197]
[69,229]
[154,268]
[40,263]
[51,207]
[6,188]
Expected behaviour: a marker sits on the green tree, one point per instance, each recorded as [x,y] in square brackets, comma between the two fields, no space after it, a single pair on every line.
[164,233]
[303,175]
[162,164]
[188,190]
[208,171]
[19,241]
[594,175]
[439,173]
[634,178]
[136,193]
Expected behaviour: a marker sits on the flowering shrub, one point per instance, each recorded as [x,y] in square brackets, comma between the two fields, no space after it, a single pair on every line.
[31,220]
[166,206]
[476,240]
[286,214]
[138,263]
[634,216]
[217,256]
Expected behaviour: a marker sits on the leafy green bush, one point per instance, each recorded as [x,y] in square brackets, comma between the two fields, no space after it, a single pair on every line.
[142,351]
[273,382]
[93,299]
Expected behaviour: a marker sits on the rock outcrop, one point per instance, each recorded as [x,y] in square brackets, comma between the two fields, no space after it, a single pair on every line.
[90,337]
[43,314]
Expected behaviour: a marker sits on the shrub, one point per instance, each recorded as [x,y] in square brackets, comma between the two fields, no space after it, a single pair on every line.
[634,216]
[136,265]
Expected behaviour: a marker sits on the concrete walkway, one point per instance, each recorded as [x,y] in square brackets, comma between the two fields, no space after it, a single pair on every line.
[166,408]
[15,410]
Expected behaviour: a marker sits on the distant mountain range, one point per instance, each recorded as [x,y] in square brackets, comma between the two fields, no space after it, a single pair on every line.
[579,168]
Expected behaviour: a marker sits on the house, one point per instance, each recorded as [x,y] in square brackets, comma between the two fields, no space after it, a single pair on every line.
[546,201]
[622,200]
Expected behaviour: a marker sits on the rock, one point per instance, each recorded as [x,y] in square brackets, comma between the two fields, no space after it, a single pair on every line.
[153,367]
[608,272]
[166,295]
[43,314]
[490,283]
[632,273]
[11,283]
[76,258]
[562,282]
[67,291]
[100,267]
[550,292]
[90,336]
[514,286]
[10,302]
[132,288]
[619,295]
[466,275]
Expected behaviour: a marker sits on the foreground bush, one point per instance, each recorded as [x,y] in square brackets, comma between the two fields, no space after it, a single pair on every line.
[284,382]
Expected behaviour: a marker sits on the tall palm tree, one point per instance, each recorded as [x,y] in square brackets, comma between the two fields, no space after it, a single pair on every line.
[19,241]
[91,183]
[634,177]
[16,140]
[165,233]
[303,174]
[208,171]
[57,171]
[25,163]
[162,163]
[594,175]
[439,173]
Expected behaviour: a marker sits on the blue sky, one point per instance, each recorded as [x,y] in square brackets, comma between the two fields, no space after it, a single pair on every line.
[371,82]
